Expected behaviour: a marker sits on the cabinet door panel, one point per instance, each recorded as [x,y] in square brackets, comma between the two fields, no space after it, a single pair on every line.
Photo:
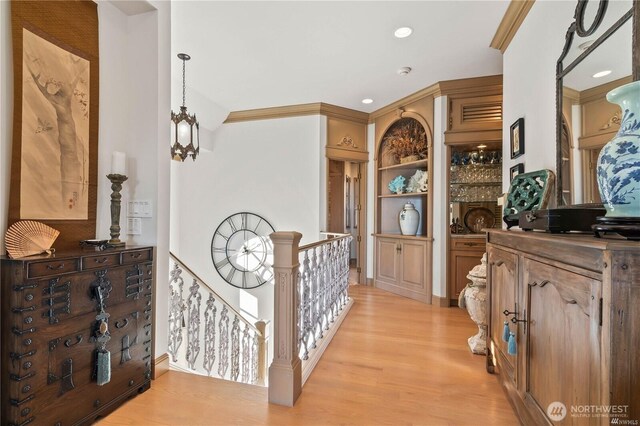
[503,279]
[563,354]
[387,265]
[460,265]
[413,256]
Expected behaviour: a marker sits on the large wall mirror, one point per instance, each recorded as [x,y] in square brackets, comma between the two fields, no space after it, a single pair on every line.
[598,56]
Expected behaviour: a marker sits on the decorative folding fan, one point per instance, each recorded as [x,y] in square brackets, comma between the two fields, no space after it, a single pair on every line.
[28,237]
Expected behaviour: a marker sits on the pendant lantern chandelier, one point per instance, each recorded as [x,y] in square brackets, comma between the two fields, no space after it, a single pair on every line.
[185,127]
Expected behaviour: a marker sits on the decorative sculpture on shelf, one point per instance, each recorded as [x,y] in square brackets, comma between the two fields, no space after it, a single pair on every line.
[418,182]
[397,185]
[473,298]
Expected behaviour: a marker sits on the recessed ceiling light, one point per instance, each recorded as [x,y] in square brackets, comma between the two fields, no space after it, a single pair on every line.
[403,32]
[602,73]
[367,101]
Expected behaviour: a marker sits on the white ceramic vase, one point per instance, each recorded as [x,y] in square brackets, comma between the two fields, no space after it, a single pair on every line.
[619,160]
[409,219]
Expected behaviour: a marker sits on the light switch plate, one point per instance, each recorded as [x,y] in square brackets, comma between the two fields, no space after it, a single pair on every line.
[139,208]
[134,226]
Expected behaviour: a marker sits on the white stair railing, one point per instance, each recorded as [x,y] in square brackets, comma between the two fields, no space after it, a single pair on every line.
[311,300]
[232,348]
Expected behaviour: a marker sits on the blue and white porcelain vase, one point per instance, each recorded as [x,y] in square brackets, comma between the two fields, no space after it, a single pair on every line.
[619,160]
[409,219]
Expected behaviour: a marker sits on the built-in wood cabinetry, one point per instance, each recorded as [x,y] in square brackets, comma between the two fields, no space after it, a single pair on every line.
[474,179]
[466,252]
[575,300]
[402,266]
[403,262]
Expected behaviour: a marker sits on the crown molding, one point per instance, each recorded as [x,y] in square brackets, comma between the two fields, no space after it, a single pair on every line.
[317,108]
[600,92]
[511,21]
[433,90]
[475,86]
[491,84]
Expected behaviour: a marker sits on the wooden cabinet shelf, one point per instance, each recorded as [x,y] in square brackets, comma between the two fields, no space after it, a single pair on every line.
[419,164]
[404,195]
[403,262]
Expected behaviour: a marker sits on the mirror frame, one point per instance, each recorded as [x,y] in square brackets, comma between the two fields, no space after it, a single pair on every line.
[578,27]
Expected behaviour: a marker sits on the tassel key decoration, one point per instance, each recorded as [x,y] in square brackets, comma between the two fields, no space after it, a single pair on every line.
[506,332]
[512,346]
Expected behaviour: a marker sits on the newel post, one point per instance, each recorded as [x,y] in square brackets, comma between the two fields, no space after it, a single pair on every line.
[285,372]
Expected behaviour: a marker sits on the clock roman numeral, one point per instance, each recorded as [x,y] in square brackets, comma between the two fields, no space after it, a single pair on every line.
[232,225]
[219,249]
[230,275]
[244,221]
[257,226]
[224,262]
[244,279]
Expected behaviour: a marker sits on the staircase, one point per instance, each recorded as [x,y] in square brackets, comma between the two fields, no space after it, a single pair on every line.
[209,337]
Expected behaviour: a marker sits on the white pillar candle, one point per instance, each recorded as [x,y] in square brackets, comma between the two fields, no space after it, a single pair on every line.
[118,163]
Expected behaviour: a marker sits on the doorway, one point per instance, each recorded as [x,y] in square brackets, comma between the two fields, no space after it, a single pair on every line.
[345,213]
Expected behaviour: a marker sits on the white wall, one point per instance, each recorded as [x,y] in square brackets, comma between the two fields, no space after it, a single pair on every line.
[371,197]
[529,84]
[440,207]
[268,167]
[134,118]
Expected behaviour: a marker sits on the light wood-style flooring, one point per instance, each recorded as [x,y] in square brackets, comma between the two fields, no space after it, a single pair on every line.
[394,361]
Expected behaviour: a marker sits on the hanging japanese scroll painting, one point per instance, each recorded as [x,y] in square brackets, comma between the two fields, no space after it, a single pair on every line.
[54,180]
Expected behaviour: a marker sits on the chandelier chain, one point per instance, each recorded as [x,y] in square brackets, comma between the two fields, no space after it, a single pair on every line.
[183,83]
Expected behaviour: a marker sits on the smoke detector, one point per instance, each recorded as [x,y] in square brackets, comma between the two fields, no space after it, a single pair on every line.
[404,70]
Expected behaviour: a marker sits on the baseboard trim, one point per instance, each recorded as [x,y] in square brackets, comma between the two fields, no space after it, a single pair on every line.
[442,302]
[315,354]
[370,282]
[160,365]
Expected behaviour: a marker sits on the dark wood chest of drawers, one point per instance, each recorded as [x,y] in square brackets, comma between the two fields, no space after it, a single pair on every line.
[70,321]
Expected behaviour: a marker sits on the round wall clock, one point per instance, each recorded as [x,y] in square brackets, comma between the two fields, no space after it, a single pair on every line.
[241,250]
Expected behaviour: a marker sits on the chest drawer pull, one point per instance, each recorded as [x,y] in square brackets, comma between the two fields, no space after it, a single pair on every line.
[17,378]
[18,332]
[19,402]
[122,324]
[20,310]
[55,268]
[26,422]
[471,244]
[104,259]
[14,356]
[135,255]
[24,287]
[69,343]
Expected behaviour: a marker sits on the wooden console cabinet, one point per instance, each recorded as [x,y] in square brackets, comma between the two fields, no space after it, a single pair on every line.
[576,302]
[52,309]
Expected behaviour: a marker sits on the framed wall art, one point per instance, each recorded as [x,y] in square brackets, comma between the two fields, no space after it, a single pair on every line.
[517,138]
[516,170]
[55,125]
